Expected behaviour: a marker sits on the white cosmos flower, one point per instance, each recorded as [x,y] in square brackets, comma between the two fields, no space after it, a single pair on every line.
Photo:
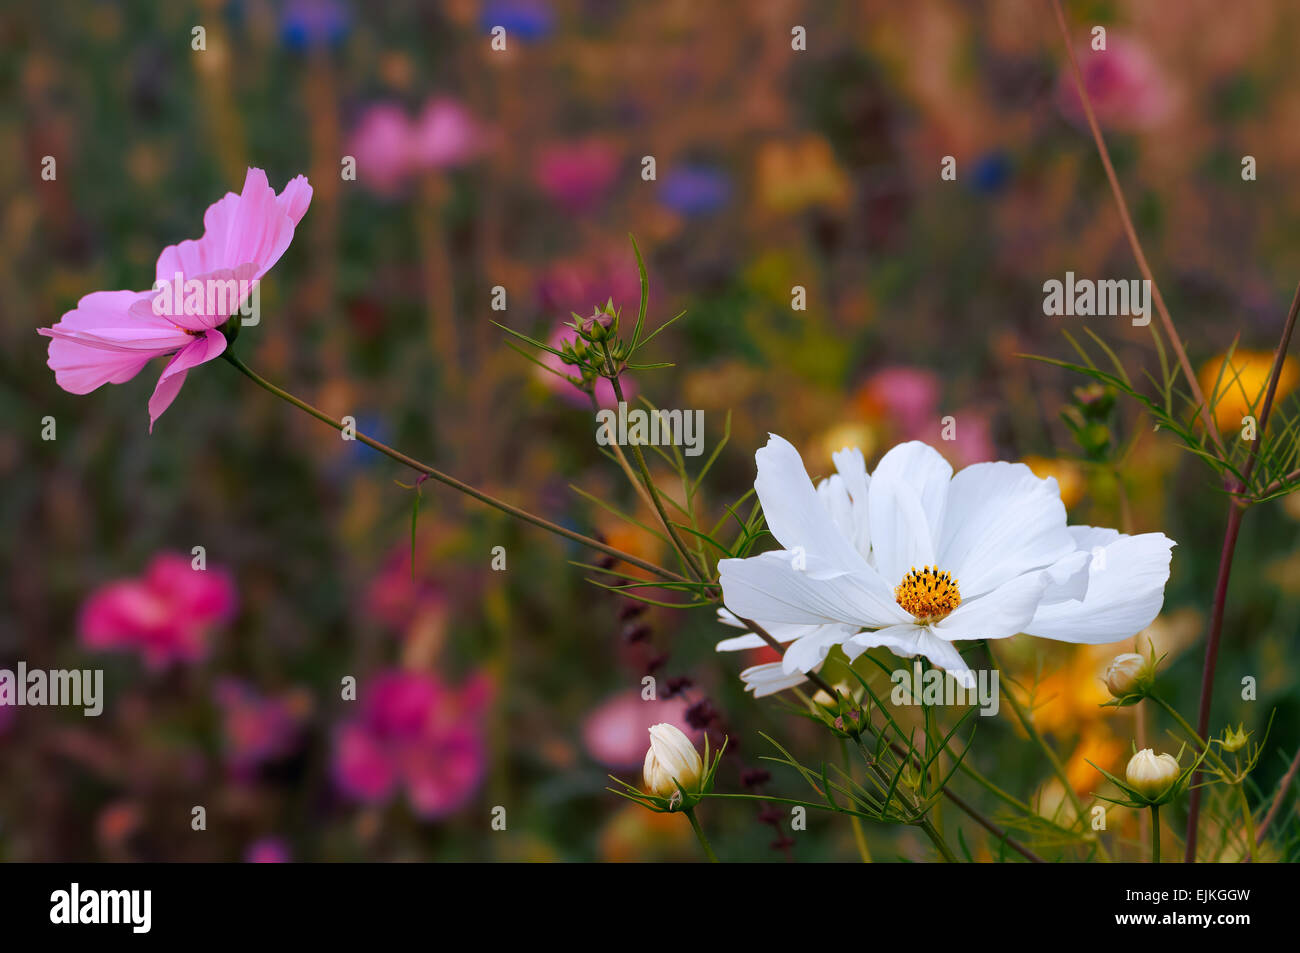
[915,558]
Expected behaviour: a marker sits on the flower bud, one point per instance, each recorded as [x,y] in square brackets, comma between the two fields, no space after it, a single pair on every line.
[1126,674]
[1234,739]
[671,760]
[1150,774]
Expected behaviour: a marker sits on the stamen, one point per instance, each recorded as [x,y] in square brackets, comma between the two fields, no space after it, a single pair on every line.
[928,594]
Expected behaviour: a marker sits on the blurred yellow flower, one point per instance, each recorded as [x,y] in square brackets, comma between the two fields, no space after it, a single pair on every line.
[850,433]
[1069,476]
[634,833]
[796,176]
[1098,746]
[1070,697]
[1243,384]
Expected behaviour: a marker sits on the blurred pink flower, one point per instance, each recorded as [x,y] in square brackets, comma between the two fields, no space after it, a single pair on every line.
[417,734]
[972,440]
[569,392]
[1127,89]
[446,135]
[383,143]
[617,733]
[577,175]
[905,397]
[395,599]
[166,615]
[581,284]
[577,286]
[111,335]
[268,850]
[256,728]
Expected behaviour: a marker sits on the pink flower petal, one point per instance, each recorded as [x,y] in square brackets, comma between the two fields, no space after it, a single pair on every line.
[202,350]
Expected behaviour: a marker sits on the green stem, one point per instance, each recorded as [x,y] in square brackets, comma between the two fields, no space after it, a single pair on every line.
[699,833]
[859,836]
[1155,833]
[937,839]
[932,739]
[1201,743]
[452,481]
[646,478]
[1249,819]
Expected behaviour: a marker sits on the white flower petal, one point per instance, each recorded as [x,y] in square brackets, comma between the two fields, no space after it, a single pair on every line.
[768,679]
[809,651]
[768,587]
[1068,578]
[911,640]
[907,499]
[995,615]
[853,471]
[793,513]
[1002,521]
[742,642]
[1126,588]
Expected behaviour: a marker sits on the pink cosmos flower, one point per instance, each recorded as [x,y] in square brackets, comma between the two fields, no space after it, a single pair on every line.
[383,143]
[257,728]
[414,733]
[166,615]
[446,135]
[1127,89]
[577,175]
[615,734]
[111,335]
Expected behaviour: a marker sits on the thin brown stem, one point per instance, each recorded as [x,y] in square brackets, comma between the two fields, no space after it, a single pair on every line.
[1165,319]
[682,551]
[1230,533]
[453,482]
[1277,801]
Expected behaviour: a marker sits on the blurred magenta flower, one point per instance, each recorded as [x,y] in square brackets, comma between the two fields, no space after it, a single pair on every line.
[257,728]
[615,733]
[1127,89]
[166,615]
[414,733]
[383,142]
[111,335]
[268,850]
[577,175]
[446,135]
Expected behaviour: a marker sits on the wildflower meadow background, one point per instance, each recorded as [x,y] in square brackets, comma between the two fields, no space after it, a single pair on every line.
[789,195]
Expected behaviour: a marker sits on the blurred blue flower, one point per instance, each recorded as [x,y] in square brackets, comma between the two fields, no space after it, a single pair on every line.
[695,189]
[525,19]
[306,25]
[991,173]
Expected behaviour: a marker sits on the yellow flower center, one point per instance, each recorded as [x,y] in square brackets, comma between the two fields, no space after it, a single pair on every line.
[928,594]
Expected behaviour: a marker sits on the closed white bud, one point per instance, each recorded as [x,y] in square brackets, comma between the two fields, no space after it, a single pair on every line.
[1151,774]
[1124,674]
[671,760]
